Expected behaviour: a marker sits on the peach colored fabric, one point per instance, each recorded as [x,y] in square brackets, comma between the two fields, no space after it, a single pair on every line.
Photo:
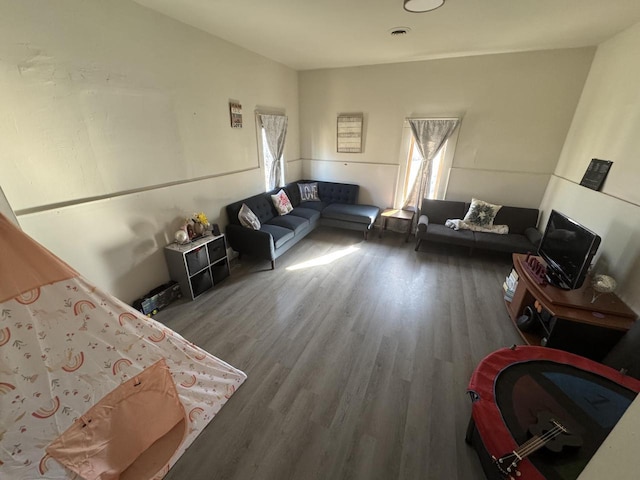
[65,345]
[130,434]
[25,264]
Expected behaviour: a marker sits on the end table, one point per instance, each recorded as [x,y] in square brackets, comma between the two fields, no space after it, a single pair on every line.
[398,214]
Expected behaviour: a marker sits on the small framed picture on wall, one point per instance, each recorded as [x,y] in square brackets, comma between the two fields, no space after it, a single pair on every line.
[596,173]
[235,111]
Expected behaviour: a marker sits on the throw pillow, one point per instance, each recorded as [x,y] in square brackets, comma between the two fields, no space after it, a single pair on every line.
[309,192]
[481,213]
[248,218]
[282,202]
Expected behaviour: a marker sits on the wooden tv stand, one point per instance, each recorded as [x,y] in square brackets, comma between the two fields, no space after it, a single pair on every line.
[577,325]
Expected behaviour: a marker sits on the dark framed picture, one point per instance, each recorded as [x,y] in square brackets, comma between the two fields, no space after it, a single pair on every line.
[596,173]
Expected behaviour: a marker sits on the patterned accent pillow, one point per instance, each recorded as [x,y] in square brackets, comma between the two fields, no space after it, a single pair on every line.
[481,213]
[282,202]
[248,218]
[309,192]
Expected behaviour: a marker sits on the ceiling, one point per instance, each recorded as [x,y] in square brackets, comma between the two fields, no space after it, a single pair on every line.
[306,34]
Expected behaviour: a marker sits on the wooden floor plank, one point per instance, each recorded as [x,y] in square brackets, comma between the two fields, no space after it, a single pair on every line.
[357,368]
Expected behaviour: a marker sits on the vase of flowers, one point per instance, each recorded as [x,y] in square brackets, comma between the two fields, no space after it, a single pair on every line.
[200,223]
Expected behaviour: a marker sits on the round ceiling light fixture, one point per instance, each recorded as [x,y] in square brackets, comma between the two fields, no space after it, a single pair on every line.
[420,6]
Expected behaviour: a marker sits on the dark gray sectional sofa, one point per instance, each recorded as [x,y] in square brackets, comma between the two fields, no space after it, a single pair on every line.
[337,207]
[523,236]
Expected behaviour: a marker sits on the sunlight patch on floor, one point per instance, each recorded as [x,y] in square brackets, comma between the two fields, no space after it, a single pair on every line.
[324,259]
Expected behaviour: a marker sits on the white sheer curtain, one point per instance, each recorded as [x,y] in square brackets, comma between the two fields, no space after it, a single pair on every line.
[429,136]
[275,130]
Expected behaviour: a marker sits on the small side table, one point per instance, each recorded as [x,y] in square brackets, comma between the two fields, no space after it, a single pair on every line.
[398,214]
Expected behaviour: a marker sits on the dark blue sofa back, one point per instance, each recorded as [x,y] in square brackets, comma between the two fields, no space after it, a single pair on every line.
[517,218]
[262,205]
[328,192]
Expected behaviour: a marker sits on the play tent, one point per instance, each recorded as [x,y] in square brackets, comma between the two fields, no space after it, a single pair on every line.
[72,358]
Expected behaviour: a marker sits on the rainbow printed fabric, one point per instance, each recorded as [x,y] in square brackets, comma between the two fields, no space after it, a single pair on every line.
[64,346]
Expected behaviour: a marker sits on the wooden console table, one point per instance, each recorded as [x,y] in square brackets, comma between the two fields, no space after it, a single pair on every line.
[577,325]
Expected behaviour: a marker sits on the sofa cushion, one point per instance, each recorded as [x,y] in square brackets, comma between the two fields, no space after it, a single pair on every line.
[338,192]
[366,214]
[280,235]
[510,243]
[309,192]
[439,211]
[440,233]
[281,202]
[481,213]
[310,214]
[248,218]
[317,206]
[518,219]
[291,222]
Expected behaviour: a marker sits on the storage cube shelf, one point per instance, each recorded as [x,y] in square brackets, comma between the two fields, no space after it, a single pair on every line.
[199,265]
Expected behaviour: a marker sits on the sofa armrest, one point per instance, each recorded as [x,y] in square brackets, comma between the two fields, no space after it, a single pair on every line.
[252,242]
[423,223]
[533,235]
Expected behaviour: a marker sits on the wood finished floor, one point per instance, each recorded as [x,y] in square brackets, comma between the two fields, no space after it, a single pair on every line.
[357,369]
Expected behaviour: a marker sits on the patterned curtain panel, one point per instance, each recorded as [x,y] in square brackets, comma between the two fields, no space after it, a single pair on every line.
[429,136]
[275,128]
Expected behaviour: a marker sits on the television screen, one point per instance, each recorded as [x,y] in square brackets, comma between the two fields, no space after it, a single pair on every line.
[568,249]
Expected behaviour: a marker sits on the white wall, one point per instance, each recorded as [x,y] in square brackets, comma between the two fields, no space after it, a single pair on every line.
[6,210]
[606,126]
[516,111]
[373,179]
[115,124]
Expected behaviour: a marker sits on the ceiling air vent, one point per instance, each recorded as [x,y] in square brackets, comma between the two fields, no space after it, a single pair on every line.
[399,31]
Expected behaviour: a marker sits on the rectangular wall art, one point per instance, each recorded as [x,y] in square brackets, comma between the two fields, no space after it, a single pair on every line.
[235,110]
[596,173]
[350,133]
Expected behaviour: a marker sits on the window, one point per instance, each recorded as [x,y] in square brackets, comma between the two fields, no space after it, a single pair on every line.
[268,163]
[414,160]
[435,135]
[272,134]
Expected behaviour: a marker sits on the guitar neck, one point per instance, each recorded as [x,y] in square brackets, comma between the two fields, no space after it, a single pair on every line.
[536,442]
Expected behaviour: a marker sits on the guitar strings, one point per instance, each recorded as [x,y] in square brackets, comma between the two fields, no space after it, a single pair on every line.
[536,442]
[533,444]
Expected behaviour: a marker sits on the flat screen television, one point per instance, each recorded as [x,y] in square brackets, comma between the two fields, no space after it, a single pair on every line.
[568,249]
